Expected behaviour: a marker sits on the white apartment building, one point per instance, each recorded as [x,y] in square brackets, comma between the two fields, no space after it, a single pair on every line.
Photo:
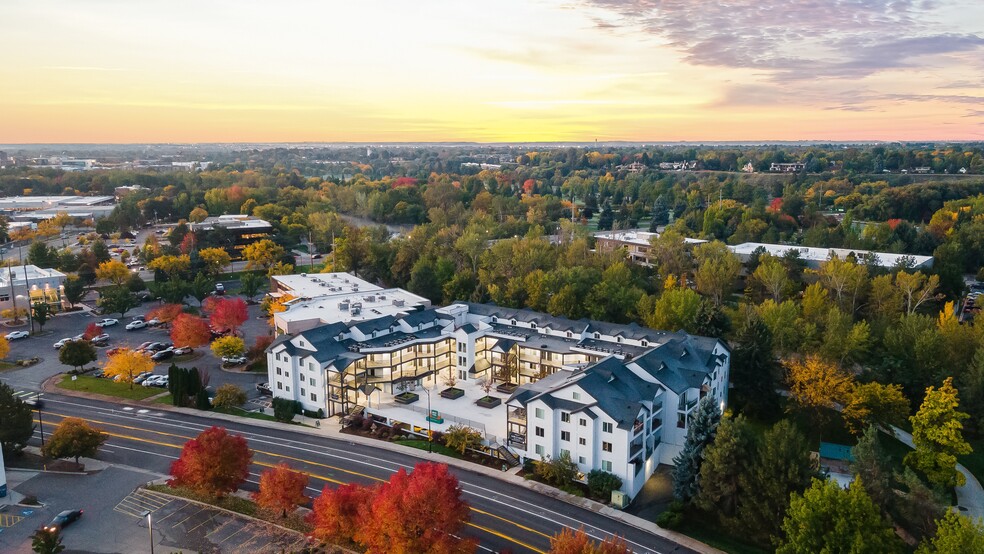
[599,391]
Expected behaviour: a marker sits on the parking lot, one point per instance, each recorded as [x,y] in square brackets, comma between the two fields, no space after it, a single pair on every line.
[114,519]
[71,324]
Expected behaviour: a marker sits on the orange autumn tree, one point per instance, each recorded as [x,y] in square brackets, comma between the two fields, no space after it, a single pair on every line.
[417,513]
[228,313]
[166,313]
[188,330]
[337,513]
[281,489]
[213,463]
[570,541]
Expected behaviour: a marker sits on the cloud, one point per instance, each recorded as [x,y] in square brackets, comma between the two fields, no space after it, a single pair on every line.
[798,39]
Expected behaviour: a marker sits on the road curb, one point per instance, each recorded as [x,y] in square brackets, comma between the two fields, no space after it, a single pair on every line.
[332,432]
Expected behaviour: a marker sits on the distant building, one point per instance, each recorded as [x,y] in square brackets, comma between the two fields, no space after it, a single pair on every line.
[787,168]
[748,168]
[922,170]
[40,208]
[635,242]
[127,190]
[23,282]
[236,231]
[814,256]
[679,166]
[634,167]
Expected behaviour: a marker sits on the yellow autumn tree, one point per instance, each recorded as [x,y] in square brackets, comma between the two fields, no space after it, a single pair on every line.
[126,364]
[816,385]
[113,271]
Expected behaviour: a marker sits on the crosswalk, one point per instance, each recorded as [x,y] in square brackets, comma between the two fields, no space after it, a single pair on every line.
[9,520]
[28,395]
[141,501]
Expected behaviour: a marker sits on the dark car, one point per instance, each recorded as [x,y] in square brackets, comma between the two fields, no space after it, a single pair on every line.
[264,388]
[162,355]
[62,520]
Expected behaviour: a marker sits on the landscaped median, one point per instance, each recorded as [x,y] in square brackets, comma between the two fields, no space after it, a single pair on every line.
[106,387]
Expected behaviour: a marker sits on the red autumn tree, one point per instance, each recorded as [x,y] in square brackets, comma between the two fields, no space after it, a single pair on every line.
[191,331]
[528,186]
[228,313]
[281,489]
[91,330]
[570,541]
[417,513]
[166,313]
[187,243]
[213,463]
[337,513]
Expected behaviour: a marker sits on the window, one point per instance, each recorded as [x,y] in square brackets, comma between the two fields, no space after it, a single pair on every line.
[314,397]
[565,417]
[597,335]
[280,385]
[286,374]
[582,441]
[681,421]
[538,413]
[577,396]
[606,446]
[280,371]
[539,450]
[618,339]
[514,322]
[569,334]
[606,466]
[584,422]
[495,319]
[581,460]
[645,343]
[607,427]
[303,392]
[311,381]
[287,388]
[462,360]
[311,366]
[565,436]
[532,325]
[462,374]
[539,431]
[565,453]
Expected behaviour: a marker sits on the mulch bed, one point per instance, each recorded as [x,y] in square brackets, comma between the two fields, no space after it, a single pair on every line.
[26,460]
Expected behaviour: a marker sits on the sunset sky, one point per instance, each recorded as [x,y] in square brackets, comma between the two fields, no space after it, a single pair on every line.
[510,70]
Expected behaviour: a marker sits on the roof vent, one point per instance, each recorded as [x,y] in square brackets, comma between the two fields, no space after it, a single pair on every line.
[303,274]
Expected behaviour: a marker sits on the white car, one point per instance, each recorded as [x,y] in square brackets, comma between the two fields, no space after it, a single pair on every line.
[107,322]
[136,324]
[14,335]
[63,342]
[153,322]
[234,360]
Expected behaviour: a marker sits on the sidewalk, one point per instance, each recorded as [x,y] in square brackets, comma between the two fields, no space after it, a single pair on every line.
[970,496]
[333,430]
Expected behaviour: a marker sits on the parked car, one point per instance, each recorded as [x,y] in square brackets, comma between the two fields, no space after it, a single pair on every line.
[62,520]
[100,340]
[162,355]
[219,289]
[113,351]
[108,322]
[154,322]
[136,324]
[264,388]
[98,373]
[142,377]
[63,342]
[182,350]
[14,335]
[155,346]
[234,360]
[153,380]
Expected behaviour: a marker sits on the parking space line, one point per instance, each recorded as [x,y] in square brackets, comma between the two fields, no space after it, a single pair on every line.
[9,520]
[177,510]
[189,517]
[210,518]
[219,528]
[243,526]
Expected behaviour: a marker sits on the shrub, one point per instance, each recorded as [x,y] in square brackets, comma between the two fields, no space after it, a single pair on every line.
[672,518]
[602,483]
[284,409]
[229,396]
[558,471]
[367,423]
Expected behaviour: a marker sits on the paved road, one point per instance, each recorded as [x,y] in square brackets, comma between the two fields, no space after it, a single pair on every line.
[504,515]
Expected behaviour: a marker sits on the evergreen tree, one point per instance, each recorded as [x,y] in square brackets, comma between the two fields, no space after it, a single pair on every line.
[606,218]
[661,214]
[873,468]
[700,433]
[754,370]
[725,461]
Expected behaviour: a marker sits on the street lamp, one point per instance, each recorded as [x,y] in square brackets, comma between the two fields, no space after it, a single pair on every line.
[30,309]
[39,405]
[430,435]
[150,528]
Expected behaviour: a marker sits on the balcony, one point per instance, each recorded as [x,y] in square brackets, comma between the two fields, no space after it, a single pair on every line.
[517,415]
[637,427]
[635,447]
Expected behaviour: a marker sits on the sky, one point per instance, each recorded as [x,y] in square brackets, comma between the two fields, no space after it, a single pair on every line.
[119,71]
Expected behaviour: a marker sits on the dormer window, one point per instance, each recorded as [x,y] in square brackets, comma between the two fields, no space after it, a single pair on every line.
[618,339]
[569,334]
[532,325]
[514,322]
[597,335]
[645,343]
[495,319]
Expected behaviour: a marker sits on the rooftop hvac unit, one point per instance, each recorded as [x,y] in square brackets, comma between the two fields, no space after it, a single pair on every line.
[382,297]
[398,303]
[303,274]
[371,298]
[323,284]
[344,306]
[356,311]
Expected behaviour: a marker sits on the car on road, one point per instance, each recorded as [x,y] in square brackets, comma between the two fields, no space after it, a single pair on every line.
[136,324]
[264,388]
[14,335]
[233,360]
[62,520]
[64,341]
[162,355]
[108,322]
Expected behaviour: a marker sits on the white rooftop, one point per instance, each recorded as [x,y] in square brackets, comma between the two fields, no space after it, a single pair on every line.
[39,202]
[24,273]
[310,285]
[306,313]
[235,221]
[817,255]
[635,236]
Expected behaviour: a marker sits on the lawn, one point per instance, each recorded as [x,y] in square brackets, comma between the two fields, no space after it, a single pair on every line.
[7,365]
[422,445]
[709,533]
[108,387]
[244,413]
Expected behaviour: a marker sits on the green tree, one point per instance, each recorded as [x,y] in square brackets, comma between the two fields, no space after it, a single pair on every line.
[717,270]
[77,353]
[227,347]
[262,254]
[201,287]
[41,311]
[875,403]
[937,436]
[782,466]
[668,253]
[74,290]
[44,542]
[700,433]
[674,310]
[955,534]
[773,277]
[615,298]
[171,292]
[229,396]
[873,468]
[117,300]
[16,421]
[602,483]
[461,438]
[827,518]
[284,409]
[726,460]
[754,369]
[249,285]
[559,472]
[74,438]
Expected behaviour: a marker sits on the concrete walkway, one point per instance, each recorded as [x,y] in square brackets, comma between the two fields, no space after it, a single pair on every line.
[970,496]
